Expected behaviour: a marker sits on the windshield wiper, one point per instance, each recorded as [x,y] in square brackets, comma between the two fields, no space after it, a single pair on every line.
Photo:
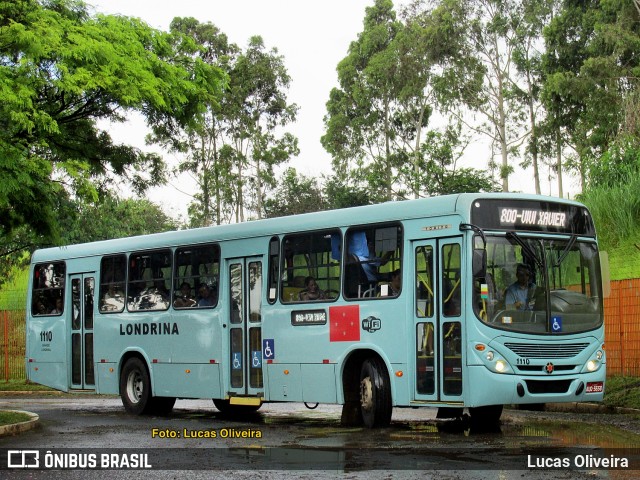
[566,250]
[525,246]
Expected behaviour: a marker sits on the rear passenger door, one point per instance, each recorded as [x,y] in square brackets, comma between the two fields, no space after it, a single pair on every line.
[81,312]
[245,328]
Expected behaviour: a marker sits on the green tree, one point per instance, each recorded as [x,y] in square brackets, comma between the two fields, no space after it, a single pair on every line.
[396,75]
[258,102]
[202,144]
[61,72]
[592,70]
[232,147]
[295,194]
[527,57]
[359,121]
[437,171]
[494,37]
[115,218]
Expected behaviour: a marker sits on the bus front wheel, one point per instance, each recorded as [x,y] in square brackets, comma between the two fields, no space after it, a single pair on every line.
[135,386]
[375,394]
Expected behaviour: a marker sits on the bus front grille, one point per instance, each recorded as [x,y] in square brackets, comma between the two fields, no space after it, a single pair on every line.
[548,386]
[532,350]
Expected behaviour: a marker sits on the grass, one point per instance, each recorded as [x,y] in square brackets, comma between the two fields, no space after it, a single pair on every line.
[22,386]
[622,392]
[8,418]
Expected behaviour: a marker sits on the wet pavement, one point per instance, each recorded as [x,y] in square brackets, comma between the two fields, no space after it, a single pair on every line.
[289,440]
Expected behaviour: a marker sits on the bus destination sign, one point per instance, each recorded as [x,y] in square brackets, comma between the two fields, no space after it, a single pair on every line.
[513,216]
[308,317]
[532,215]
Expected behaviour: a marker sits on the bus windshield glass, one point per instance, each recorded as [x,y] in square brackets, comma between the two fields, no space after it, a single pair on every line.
[539,285]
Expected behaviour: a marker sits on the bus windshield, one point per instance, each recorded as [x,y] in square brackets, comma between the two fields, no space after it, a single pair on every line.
[539,285]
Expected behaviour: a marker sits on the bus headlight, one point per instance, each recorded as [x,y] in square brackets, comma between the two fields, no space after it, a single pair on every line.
[599,355]
[592,365]
[492,359]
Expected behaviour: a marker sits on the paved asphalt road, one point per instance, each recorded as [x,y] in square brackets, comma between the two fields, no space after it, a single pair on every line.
[291,441]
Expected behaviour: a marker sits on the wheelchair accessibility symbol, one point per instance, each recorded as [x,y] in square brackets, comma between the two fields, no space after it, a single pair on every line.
[268,349]
[556,324]
[237,361]
[256,361]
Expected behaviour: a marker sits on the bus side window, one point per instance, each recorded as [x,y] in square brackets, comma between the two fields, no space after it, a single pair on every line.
[451,287]
[309,259]
[47,297]
[196,277]
[147,287]
[424,282]
[274,265]
[373,262]
[113,271]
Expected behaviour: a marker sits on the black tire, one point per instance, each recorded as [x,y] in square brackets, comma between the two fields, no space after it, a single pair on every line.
[235,410]
[487,416]
[135,387]
[375,394]
[161,405]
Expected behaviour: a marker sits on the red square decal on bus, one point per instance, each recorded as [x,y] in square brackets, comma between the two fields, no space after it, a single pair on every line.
[344,323]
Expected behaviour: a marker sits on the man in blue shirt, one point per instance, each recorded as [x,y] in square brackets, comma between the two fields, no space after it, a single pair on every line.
[519,295]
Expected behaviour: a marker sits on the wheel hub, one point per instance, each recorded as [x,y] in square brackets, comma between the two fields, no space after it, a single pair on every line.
[366,394]
[135,387]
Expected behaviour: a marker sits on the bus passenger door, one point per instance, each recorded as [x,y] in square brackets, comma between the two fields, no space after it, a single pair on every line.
[245,329]
[425,325]
[438,320]
[82,294]
[451,314]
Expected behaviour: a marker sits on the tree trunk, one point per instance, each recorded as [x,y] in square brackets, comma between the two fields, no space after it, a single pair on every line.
[559,162]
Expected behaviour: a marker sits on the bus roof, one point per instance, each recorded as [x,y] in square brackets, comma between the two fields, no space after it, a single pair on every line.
[385,212]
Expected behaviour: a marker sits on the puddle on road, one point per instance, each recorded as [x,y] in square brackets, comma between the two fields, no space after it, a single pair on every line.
[318,428]
[315,430]
[578,434]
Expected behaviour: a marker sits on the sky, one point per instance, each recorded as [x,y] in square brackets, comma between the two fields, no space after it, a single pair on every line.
[313,37]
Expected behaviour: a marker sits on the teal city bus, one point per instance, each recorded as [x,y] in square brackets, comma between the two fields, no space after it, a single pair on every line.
[460,301]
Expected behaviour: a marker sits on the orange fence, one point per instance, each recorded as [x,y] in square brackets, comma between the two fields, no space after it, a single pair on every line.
[12,349]
[622,328]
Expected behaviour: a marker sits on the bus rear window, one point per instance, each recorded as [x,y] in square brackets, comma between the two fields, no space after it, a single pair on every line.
[112,283]
[48,289]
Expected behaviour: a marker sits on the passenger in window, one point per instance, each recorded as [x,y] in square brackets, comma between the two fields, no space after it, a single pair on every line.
[41,308]
[311,291]
[205,299]
[395,284]
[113,300]
[160,289]
[520,294]
[58,308]
[183,297]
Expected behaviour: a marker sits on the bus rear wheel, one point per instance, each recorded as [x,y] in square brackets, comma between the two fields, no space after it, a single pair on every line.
[135,387]
[375,394]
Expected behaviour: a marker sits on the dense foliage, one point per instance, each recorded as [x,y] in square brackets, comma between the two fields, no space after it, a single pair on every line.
[550,83]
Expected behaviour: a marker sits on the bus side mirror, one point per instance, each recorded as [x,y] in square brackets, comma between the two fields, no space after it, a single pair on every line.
[479,263]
